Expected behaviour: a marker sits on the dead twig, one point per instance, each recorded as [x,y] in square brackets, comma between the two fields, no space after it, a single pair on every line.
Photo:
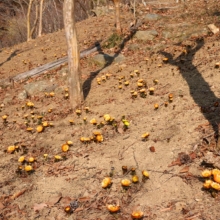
[17,194]
[120,155]
[194,216]
[137,165]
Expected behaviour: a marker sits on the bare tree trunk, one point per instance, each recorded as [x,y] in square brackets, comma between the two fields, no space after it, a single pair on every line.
[134,9]
[91,5]
[40,18]
[22,8]
[28,20]
[75,86]
[36,19]
[117,16]
[83,7]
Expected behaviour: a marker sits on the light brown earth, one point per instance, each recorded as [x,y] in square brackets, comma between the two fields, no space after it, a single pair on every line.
[181,133]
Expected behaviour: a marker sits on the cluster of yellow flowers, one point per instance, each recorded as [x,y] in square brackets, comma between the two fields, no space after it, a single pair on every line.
[213,179]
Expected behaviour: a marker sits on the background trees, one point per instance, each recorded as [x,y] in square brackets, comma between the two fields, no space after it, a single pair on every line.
[46,16]
[38,18]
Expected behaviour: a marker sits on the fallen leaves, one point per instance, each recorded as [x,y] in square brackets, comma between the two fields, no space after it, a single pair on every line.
[79,209]
[54,199]
[1,206]
[184,169]
[65,201]
[183,158]
[84,199]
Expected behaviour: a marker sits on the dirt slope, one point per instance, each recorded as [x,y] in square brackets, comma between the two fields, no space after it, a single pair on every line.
[181,141]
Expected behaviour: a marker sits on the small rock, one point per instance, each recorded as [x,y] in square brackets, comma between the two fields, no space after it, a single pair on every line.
[213,28]
[199,33]
[119,58]
[22,95]
[102,59]
[133,47]
[152,17]
[146,35]
[8,98]
[167,34]
[39,86]
[152,149]
[50,88]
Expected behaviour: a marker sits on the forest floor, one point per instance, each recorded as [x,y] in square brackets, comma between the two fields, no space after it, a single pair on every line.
[181,116]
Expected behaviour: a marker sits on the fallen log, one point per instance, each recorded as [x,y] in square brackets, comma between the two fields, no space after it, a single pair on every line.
[59,62]
[41,69]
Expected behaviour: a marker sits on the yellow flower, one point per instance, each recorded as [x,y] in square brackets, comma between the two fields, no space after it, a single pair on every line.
[65,147]
[113,208]
[125,182]
[106,182]
[21,159]
[206,173]
[28,168]
[11,149]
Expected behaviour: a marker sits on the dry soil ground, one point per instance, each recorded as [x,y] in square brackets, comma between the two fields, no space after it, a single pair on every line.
[181,143]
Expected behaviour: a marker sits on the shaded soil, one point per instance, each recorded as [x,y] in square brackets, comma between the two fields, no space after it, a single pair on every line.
[182,139]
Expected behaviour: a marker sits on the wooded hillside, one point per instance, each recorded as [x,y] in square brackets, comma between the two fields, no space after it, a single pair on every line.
[14,15]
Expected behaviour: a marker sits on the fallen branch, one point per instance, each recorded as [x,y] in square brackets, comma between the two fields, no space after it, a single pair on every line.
[52,65]
[58,63]
[120,154]
[17,194]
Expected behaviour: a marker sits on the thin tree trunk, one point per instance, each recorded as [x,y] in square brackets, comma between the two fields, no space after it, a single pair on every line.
[75,86]
[92,5]
[28,20]
[36,20]
[134,9]
[22,8]
[40,18]
[117,16]
[83,7]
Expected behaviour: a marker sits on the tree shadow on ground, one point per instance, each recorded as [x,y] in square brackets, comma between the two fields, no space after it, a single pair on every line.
[10,57]
[200,90]
[87,84]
